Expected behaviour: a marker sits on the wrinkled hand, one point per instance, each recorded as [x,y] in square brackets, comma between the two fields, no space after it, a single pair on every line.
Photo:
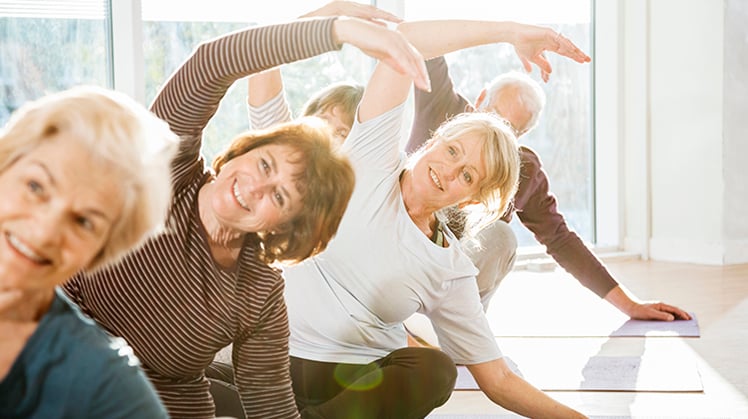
[531,43]
[657,311]
[353,9]
[386,45]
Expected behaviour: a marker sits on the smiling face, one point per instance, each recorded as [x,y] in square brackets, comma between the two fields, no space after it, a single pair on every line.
[449,172]
[56,214]
[257,190]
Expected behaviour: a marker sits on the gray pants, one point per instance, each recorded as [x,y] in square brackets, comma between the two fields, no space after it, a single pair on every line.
[493,252]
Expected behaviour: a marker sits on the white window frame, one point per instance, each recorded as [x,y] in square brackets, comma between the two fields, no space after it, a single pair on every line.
[607,26]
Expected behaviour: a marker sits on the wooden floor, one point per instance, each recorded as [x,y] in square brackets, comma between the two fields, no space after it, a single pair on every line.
[719,298]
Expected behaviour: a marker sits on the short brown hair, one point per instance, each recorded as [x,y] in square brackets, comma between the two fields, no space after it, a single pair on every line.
[344,95]
[325,181]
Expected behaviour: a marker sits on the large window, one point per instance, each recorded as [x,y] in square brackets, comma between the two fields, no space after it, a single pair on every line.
[47,46]
[172,29]
[564,136]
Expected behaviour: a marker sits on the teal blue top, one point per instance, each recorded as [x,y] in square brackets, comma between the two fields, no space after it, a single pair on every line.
[70,368]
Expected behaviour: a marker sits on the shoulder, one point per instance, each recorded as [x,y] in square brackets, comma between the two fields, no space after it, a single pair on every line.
[256,277]
[531,165]
[92,345]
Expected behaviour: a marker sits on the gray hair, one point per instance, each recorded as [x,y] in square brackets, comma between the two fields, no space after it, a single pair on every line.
[530,95]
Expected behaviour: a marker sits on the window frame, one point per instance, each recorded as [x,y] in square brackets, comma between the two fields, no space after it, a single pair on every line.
[607,212]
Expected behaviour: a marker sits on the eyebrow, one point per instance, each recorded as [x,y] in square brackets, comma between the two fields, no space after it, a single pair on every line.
[53,182]
[460,146]
[46,171]
[274,168]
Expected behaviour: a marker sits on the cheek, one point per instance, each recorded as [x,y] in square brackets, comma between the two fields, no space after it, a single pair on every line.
[81,256]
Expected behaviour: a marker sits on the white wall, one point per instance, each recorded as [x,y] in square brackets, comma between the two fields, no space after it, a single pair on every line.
[684,190]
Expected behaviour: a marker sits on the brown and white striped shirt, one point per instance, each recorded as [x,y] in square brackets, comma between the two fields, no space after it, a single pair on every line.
[170,300]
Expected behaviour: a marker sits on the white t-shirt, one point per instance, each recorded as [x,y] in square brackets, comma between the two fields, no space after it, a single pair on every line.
[348,304]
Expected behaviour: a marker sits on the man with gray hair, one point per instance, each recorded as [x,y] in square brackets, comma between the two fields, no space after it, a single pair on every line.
[520,101]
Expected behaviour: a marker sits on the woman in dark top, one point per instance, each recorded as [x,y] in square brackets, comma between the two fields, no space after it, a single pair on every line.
[84,176]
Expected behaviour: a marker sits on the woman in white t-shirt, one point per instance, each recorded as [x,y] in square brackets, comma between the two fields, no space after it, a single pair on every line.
[392,256]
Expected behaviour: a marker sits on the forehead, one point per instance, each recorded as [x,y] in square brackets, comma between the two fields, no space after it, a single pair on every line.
[335,115]
[289,164]
[76,174]
[471,144]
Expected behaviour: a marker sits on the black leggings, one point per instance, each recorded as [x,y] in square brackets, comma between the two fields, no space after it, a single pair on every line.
[225,394]
[407,383]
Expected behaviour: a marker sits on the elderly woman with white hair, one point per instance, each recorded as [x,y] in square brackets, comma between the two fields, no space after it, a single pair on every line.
[84,176]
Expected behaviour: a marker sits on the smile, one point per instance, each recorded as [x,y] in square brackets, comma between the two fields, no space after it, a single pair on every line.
[238,196]
[24,250]
[435,179]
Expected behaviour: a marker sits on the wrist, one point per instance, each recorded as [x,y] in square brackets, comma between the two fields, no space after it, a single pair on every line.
[340,28]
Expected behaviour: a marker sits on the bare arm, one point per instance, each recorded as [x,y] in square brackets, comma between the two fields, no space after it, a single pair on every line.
[262,87]
[510,391]
[387,88]
[268,84]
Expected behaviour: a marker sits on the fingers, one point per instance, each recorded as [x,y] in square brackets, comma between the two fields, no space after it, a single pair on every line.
[543,65]
[410,62]
[568,49]
[660,311]
[526,64]
[675,311]
[354,9]
[379,14]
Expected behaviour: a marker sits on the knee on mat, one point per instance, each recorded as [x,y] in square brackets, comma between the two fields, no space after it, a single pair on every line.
[499,235]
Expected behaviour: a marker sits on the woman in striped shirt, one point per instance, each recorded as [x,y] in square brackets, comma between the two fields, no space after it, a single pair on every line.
[274,195]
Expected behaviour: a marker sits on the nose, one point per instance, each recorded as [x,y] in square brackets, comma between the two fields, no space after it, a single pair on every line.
[452,172]
[259,189]
[48,227]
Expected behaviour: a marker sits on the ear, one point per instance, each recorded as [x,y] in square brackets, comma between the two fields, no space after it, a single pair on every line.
[481,98]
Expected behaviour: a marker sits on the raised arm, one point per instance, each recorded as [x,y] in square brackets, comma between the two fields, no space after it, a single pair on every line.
[267,85]
[387,89]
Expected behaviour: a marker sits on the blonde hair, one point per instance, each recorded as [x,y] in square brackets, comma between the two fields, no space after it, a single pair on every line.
[325,179]
[500,153]
[130,142]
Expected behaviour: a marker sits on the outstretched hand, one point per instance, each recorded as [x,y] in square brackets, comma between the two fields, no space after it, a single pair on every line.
[353,9]
[532,42]
[657,311]
[386,45]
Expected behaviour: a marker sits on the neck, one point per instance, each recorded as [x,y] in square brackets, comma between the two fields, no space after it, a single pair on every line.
[421,214]
[31,306]
[218,234]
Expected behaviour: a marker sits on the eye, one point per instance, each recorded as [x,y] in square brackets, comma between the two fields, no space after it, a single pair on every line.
[452,151]
[265,166]
[468,177]
[278,198]
[341,134]
[85,223]
[35,187]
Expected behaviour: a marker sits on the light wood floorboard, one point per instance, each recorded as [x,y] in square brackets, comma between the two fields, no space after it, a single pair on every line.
[719,297]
